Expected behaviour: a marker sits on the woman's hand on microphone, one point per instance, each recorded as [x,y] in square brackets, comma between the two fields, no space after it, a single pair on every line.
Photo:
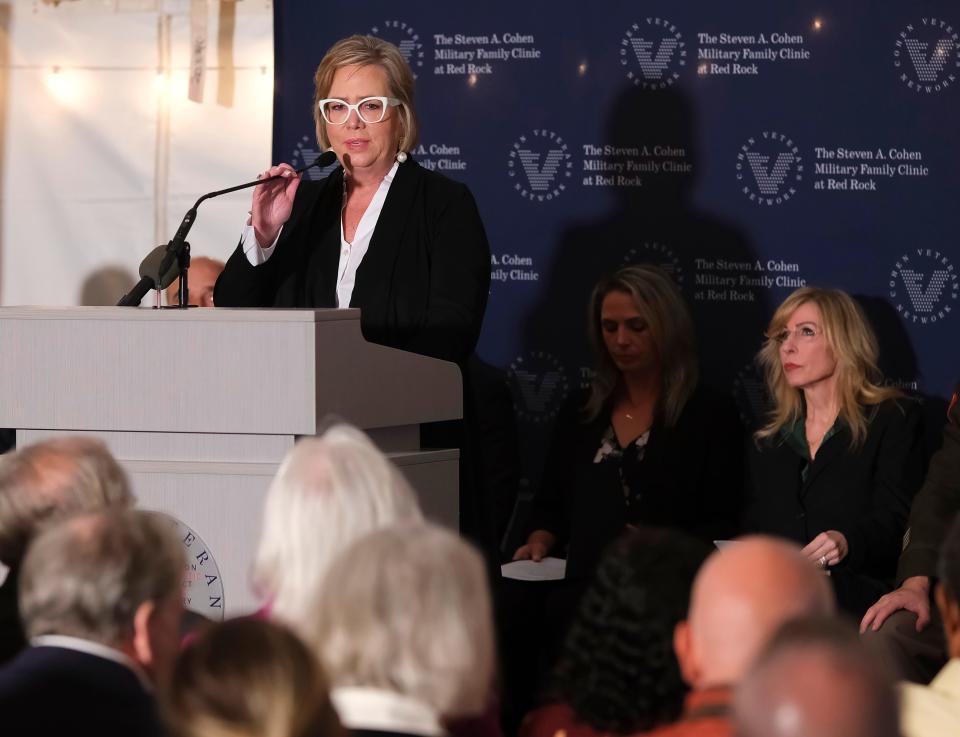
[273,202]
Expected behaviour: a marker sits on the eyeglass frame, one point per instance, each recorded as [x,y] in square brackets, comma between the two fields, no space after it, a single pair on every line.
[782,336]
[387,102]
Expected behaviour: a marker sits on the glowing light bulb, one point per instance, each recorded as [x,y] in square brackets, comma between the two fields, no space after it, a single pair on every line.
[63,86]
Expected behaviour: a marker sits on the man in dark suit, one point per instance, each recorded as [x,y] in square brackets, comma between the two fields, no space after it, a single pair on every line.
[100,597]
[39,484]
[902,626]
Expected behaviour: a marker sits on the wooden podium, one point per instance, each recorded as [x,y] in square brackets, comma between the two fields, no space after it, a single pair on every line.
[201,405]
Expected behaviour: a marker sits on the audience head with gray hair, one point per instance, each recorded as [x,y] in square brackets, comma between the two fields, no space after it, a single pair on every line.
[101,600]
[328,491]
[114,578]
[50,480]
[404,630]
[815,679]
[40,484]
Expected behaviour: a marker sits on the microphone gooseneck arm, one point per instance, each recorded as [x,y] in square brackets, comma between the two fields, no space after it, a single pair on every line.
[176,243]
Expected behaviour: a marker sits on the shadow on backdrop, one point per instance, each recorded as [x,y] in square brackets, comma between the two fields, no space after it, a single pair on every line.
[659,223]
[106,285]
[898,363]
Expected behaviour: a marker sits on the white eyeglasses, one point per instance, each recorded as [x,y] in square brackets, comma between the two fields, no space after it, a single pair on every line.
[369,109]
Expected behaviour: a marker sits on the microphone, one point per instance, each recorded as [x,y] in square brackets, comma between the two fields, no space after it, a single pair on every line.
[150,277]
[171,251]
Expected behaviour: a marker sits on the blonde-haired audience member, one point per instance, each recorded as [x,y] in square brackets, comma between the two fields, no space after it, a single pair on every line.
[328,491]
[934,710]
[40,484]
[249,678]
[404,631]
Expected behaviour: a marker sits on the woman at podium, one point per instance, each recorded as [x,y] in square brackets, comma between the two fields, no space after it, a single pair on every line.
[381,233]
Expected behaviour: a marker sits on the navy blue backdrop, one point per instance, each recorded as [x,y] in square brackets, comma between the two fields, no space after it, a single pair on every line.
[748,147]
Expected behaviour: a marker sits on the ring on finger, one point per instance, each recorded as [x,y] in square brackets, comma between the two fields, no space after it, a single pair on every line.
[822,561]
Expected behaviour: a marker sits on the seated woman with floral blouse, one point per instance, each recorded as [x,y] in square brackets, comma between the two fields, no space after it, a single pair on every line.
[645,445]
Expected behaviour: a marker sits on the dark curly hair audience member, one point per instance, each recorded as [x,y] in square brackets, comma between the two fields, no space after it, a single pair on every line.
[249,678]
[617,672]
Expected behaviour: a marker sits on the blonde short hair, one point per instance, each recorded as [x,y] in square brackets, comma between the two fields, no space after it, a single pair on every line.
[249,678]
[87,576]
[854,345]
[407,609]
[328,491]
[52,479]
[668,318]
[362,51]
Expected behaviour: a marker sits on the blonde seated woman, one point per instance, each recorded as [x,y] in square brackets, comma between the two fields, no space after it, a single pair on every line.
[249,678]
[838,462]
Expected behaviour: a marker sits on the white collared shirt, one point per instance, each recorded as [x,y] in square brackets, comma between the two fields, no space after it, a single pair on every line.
[385,711]
[934,710]
[351,253]
[96,649]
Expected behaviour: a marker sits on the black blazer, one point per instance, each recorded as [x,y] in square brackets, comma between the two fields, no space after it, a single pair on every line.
[12,638]
[422,285]
[863,492]
[53,691]
[937,503]
[691,479]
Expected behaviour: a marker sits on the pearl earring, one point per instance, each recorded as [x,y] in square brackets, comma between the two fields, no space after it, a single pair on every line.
[401,156]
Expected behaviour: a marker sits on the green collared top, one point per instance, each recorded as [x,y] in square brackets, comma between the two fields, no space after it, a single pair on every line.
[795,436]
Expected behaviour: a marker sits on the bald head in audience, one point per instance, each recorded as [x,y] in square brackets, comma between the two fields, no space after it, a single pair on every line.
[201,279]
[816,680]
[741,596]
[50,480]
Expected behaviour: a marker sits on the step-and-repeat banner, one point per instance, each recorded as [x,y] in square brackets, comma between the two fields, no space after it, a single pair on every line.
[749,148]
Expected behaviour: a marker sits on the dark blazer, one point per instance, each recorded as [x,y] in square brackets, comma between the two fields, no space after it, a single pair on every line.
[936,505]
[12,638]
[863,492]
[691,479]
[52,691]
[422,285]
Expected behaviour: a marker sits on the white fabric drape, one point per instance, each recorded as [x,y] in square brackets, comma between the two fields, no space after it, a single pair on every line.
[85,153]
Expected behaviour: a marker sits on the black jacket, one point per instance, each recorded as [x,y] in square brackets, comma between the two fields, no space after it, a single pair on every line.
[12,637]
[936,505]
[690,479]
[863,492]
[53,691]
[422,285]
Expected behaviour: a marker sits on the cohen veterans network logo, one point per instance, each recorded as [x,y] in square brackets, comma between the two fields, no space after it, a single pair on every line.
[658,254]
[539,165]
[306,152]
[539,385]
[653,51]
[769,168]
[924,286]
[402,35]
[927,55]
